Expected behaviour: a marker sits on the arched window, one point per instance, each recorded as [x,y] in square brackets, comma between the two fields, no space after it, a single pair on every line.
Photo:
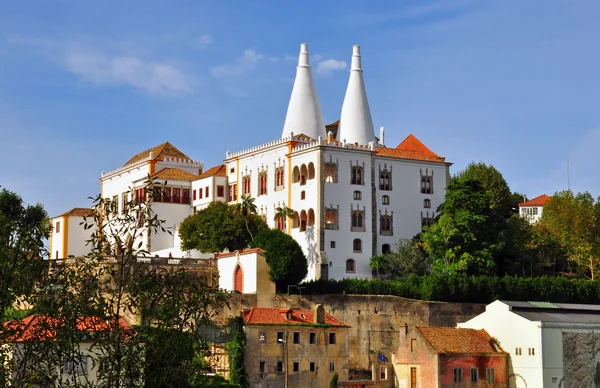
[356,176]
[311,217]
[311,171]
[427,203]
[350,266]
[385,248]
[238,277]
[295,220]
[303,220]
[331,219]
[331,172]
[357,245]
[303,174]
[279,176]
[357,218]
[296,175]
[281,224]
[385,199]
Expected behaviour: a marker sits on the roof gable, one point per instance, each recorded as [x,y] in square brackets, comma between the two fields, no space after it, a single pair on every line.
[272,316]
[160,152]
[214,171]
[78,212]
[459,341]
[410,148]
[541,200]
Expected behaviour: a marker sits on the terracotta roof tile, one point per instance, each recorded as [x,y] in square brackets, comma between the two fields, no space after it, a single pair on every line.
[242,252]
[160,152]
[411,148]
[463,341]
[78,212]
[214,171]
[542,200]
[271,316]
[176,174]
[40,327]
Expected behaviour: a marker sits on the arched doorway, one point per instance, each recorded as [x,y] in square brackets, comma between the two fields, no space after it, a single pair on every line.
[238,277]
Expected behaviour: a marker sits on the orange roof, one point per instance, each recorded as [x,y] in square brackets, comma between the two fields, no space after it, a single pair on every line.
[463,341]
[40,327]
[542,200]
[242,252]
[160,152]
[214,171]
[78,212]
[410,148]
[269,316]
[176,174]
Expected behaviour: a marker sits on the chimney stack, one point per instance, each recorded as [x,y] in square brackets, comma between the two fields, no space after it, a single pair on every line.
[319,315]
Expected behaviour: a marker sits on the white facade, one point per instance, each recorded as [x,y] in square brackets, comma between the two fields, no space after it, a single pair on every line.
[68,236]
[534,334]
[533,209]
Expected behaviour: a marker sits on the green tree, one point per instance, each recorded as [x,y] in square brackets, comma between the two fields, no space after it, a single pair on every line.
[575,221]
[406,259]
[464,238]
[287,263]
[283,213]
[218,227]
[23,229]
[246,207]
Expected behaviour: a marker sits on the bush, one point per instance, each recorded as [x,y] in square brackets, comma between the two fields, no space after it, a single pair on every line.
[467,289]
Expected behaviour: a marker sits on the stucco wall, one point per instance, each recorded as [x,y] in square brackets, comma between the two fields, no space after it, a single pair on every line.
[422,357]
[498,363]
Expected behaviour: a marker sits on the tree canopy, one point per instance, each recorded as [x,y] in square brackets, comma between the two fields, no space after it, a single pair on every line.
[287,263]
[220,226]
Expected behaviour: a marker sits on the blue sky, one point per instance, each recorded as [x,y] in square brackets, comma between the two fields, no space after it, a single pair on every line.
[84,85]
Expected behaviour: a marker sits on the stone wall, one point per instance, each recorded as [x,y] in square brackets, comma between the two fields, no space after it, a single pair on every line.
[581,360]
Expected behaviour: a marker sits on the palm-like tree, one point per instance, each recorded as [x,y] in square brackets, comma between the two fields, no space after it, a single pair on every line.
[283,213]
[246,207]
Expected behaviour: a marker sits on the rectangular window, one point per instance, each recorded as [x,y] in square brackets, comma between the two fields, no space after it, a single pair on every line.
[296,337]
[220,191]
[206,192]
[296,366]
[280,337]
[262,337]
[232,170]
[356,176]
[176,195]
[185,196]
[413,345]
[233,192]
[458,375]
[312,366]
[518,351]
[200,192]
[194,194]
[332,244]
[280,366]
[124,202]
[531,351]
[115,204]
[332,338]
[383,373]
[357,195]
[261,367]
[474,375]
[332,366]
[489,375]
[57,227]
[312,338]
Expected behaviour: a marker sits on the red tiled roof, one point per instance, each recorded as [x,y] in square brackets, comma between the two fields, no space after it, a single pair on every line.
[242,252]
[410,148]
[175,174]
[270,316]
[542,200]
[214,171]
[463,341]
[40,327]
[78,212]
[160,152]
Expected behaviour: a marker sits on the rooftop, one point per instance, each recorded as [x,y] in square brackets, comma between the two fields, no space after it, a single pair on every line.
[542,200]
[460,341]
[214,171]
[78,212]
[161,151]
[175,174]
[569,313]
[410,148]
[271,316]
[242,252]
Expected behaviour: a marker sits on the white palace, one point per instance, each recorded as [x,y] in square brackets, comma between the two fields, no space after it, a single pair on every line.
[353,197]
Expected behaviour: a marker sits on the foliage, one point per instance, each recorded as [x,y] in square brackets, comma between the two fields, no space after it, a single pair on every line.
[23,229]
[334,381]
[575,222]
[246,208]
[467,289]
[218,227]
[465,237]
[406,259]
[287,263]
[237,348]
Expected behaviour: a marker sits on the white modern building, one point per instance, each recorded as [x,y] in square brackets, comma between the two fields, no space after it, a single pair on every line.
[551,344]
[352,196]
[532,209]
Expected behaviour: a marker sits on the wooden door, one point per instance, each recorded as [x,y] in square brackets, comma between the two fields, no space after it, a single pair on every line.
[413,377]
[239,279]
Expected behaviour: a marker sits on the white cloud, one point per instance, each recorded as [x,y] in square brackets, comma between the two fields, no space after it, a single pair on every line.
[204,41]
[239,67]
[153,77]
[291,58]
[328,66]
